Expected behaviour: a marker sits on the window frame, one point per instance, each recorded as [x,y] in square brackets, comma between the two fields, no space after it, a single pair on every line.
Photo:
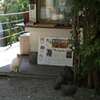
[44,21]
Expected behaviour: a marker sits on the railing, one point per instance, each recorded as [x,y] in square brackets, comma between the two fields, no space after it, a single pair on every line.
[11,24]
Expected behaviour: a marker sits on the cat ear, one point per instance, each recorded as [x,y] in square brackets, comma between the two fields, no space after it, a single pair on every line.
[18,55]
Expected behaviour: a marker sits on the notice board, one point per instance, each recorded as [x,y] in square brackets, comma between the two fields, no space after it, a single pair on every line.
[54,51]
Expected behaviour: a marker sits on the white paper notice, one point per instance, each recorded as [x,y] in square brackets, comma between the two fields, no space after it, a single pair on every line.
[54,51]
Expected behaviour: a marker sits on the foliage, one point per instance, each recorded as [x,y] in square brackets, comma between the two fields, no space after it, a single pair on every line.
[18,6]
[13,7]
[97,91]
[87,13]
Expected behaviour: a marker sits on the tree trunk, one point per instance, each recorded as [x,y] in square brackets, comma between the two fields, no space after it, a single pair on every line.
[75,50]
[4,10]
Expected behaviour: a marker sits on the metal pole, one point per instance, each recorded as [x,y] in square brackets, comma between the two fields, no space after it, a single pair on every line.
[10,32]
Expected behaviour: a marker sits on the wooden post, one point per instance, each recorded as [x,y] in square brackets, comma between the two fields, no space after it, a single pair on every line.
[96,78]
[90,79]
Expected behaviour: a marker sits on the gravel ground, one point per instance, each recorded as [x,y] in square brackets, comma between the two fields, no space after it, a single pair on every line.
[24,88]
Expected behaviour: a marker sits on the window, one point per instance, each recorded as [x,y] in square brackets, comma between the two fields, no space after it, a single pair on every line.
[54,11]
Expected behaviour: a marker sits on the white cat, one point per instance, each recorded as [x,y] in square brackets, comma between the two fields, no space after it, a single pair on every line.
[16,63]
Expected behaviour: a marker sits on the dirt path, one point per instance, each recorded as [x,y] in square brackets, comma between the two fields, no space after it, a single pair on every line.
[24,88]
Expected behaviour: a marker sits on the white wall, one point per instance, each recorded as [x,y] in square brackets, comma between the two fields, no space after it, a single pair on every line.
[35,33]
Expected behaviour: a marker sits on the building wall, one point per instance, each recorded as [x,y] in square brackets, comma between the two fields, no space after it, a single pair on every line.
[35,33]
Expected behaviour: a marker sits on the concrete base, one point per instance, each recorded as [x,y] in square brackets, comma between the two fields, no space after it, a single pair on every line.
[33,57]
[32,69]
[7,54]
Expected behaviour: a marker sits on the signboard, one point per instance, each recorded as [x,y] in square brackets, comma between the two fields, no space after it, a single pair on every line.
[54,51]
